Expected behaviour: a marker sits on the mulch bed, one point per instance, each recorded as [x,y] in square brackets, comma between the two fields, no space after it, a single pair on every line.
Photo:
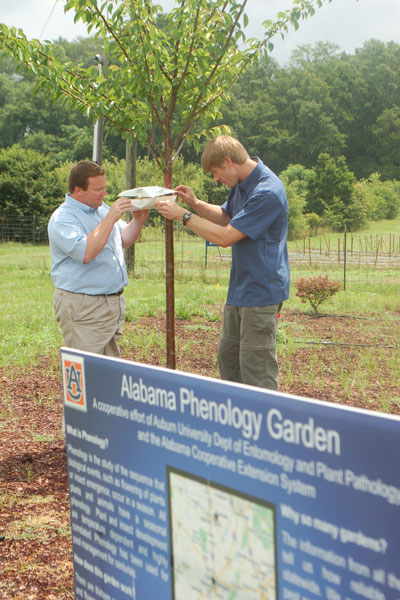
[35,546]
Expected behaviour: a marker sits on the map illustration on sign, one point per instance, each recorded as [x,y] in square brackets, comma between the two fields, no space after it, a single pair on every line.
[223,542]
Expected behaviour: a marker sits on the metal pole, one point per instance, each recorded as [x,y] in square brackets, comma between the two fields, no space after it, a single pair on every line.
[98,141]
[99,125]
[130,182]
[345,258]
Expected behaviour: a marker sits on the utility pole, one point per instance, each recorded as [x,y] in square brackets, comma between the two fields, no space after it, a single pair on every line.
[99,125]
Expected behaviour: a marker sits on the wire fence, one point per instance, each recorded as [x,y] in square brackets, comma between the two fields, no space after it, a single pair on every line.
[353,259]
[24,229]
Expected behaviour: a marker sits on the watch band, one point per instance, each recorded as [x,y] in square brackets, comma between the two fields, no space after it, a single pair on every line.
[186,217]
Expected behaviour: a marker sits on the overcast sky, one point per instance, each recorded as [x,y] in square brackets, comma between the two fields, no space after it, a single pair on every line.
[347,23]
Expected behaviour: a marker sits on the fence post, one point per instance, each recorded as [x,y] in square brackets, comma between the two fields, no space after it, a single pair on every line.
[345,258]
[377,252]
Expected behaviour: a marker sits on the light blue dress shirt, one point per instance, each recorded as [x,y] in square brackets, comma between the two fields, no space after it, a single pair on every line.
[68,229]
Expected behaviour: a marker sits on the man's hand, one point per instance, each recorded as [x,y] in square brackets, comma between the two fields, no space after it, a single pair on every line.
[97,239]
[118,208]
[170,209]
[140,216]
[187,195]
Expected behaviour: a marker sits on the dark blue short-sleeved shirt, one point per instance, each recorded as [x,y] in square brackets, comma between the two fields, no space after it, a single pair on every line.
[258,207]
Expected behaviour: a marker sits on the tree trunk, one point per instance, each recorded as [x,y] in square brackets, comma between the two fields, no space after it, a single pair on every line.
[170,291]
[130,182]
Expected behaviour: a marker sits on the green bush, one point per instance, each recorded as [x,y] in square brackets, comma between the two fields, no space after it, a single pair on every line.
[382,197]
[313,221]
[28,187]
[329,179]
[295,178]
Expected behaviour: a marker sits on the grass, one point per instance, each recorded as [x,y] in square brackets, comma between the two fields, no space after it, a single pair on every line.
[28,329]
[27,326]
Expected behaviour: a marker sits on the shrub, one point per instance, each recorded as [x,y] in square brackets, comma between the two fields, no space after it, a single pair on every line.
[28,187]
[316,290]
[295,178]
[382,197]
[313,222]
[329,179]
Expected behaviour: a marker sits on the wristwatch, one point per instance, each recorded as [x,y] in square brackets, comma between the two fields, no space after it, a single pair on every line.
[186,217]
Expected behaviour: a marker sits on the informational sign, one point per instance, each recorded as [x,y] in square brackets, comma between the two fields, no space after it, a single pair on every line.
[183,487]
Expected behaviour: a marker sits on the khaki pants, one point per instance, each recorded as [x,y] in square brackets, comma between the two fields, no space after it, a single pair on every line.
[247,349]
[90,323]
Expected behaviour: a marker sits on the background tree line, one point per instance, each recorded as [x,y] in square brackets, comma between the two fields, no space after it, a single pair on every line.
[327,122]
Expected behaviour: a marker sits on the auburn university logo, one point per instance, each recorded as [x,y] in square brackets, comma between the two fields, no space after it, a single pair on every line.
[74,382]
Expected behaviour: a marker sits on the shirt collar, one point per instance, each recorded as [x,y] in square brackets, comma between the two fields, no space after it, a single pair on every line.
[251,179]
[75,203]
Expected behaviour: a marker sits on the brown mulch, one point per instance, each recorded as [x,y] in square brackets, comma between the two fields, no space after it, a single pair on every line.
[355,362]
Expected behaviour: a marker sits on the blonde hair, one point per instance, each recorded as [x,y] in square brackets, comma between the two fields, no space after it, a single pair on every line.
[221,147]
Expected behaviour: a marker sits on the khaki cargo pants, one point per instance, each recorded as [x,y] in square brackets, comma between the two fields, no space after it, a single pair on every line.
[247,349]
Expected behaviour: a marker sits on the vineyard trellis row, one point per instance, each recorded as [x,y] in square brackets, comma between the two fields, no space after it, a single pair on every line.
[351,257]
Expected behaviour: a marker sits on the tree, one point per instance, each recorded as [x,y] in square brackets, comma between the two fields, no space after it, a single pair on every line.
[322,101]
[330,178]
[381,199]
[173,77]
[386,134]
[286,115]
[332,194]
[295,178]
[376,75]
[26,184]
[31,120]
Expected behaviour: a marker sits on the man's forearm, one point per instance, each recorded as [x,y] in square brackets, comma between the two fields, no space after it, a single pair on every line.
[217,231]
[222,235]
[211,212]
[97,239]
[130,233]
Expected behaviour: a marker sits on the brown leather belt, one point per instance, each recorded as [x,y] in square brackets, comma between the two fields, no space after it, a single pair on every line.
[116,293]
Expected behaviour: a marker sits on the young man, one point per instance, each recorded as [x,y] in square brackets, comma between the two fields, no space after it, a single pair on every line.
[87,238]
[254,221]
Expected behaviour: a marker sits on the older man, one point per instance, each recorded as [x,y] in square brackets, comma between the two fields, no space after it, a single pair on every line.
[87,238]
